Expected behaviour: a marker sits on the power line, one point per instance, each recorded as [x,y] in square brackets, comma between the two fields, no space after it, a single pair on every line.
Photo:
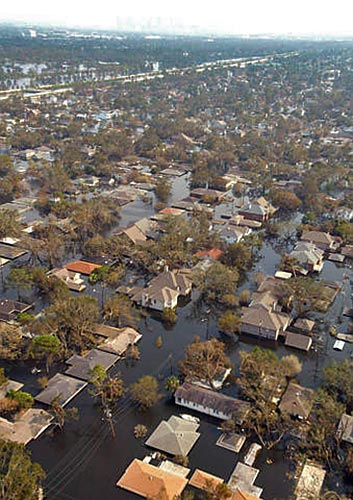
[87,449]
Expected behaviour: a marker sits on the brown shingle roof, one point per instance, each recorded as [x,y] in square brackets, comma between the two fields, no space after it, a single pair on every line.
[317,236]
[135,235]
[297,400]
[298,341]
[211,399]
[259,315]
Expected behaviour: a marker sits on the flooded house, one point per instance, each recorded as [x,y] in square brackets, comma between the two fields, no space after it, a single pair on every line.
[149,481]
[259,210]
[263,318]
[297,401]
[310,482]
[71,279]
[310,258]
[175,436]
[211,403]
[321,240]
[164,290]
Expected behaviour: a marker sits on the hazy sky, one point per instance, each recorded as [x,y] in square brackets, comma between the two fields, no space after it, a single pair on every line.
[231,16]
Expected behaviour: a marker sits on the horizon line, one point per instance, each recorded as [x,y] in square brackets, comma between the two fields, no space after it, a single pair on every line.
[180,30]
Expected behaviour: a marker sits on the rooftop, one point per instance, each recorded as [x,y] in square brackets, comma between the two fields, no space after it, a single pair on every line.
[310,482]
[175,436]
[297,400]
[203,480]
[62,387]
[149,481]
[81,366]
[80,266]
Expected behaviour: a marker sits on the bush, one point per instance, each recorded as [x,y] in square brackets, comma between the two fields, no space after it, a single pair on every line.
[169,315]
[23,399]
[144,392]
[140,431]
[229,323]
[171,384]
[181,460]
[244,298]
[133,352]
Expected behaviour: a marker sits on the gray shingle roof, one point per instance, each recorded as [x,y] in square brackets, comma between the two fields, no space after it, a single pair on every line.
[175,436]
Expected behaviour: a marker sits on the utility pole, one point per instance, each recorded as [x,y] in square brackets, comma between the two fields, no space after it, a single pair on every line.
[109,415]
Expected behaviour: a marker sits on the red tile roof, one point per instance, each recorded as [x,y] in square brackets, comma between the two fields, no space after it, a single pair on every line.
[80,266]
[214,253]
[171,211]
[149,481]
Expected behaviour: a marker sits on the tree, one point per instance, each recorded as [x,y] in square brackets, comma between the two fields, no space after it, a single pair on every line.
[133,352]
[47,347]
[171,384]
[12,341]
[3,378]
[220,491]
[244,297]
[105,388]
[290,366]
[290,264]
[229,323]
[338,381]
[71,320]
[100,275]
[285,200]
[60,414]
[303,294]
[6,164]
[345,230]
[159,342]
[263,378]
[169,315]
[322,443]
[50,287]
[162,189]
[20,478]
[10,224]
[237,255]
[181,460]
[24,399]
[52,243]
[20,278]
[118,309]
[204,360]
[216,282]
[140,431]
[94,216]
[144,392]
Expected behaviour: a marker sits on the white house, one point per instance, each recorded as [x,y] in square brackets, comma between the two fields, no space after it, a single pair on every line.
[211,403]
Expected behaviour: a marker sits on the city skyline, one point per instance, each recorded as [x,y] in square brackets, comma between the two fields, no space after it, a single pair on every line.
[225,17]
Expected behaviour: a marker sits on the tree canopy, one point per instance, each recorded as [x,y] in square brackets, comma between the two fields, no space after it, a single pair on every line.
[204,360]
[20,478]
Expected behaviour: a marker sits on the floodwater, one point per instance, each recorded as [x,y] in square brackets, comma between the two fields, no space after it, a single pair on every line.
[138,209]
[84,462]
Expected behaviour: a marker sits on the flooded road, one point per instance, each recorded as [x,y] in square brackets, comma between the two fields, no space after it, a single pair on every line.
[85,462]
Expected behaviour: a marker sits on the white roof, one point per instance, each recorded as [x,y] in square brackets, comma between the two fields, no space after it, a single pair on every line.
[9,241]
[283,275]
[339,345]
